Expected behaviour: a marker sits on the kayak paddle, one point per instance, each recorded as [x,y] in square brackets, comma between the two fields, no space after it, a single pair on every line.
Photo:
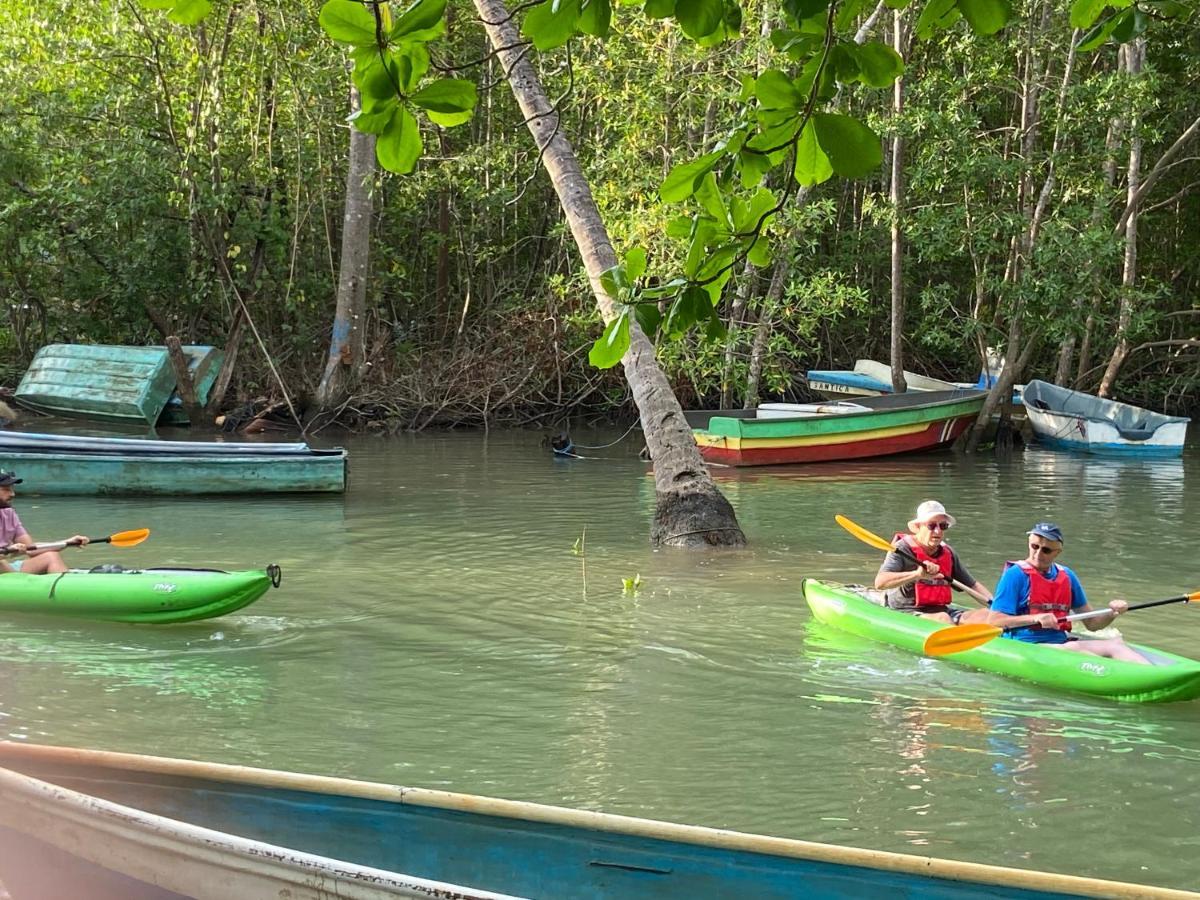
[120,539]
[869,537]
[960,638]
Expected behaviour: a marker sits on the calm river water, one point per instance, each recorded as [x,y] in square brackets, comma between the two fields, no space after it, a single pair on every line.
[435,627]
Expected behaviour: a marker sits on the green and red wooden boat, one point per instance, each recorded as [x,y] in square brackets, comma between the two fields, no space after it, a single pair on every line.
[781,433]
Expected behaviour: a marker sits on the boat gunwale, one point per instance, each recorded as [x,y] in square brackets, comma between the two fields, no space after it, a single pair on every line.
[704,836]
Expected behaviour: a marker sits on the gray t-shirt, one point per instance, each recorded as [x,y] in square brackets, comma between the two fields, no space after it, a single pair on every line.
[905,597]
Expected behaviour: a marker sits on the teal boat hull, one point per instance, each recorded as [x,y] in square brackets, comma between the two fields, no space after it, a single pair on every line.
[1171,678]
[142,596]
[56,472]
[134,818]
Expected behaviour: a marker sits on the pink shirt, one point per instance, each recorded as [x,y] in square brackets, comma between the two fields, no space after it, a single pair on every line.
[10,526]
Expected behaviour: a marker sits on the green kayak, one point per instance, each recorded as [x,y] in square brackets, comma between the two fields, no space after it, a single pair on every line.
[1170,678]
[147,596]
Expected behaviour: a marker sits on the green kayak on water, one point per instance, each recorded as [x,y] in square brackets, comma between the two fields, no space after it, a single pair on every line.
[1170,677]
[158,596]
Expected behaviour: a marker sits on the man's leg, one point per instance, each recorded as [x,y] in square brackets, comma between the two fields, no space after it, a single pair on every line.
[49,563]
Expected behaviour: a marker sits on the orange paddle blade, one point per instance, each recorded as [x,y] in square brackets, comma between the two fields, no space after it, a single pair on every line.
[130,538]
[958,638]
[1193,597]
[862,534]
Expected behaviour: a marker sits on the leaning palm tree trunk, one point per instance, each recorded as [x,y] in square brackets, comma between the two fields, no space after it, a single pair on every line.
[689,510]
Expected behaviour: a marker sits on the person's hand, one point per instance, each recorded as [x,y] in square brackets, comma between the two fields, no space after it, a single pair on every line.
[15,547]
[1046,620]
[1118,606]
[931,569]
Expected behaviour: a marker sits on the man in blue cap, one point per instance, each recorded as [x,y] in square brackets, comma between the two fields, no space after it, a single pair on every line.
[1040,593]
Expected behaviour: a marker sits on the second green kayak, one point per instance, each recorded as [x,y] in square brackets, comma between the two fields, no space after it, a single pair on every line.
[146,596]
[1170,677]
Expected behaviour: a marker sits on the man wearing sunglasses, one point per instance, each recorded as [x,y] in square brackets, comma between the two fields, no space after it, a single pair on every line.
[1039,586]
[918,575]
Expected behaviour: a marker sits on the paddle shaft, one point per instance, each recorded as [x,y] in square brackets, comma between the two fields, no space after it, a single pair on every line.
[1096,613]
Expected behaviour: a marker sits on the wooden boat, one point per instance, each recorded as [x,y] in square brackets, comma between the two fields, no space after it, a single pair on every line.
[1072,420]
[157,596]
[871,426]
[113,383]
[124,825]
[66,464]
[1170,678]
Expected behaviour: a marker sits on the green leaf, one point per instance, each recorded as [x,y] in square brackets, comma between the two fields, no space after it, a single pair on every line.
[596,18]
[399,147]
[348,22]
[880,64]
[189,12]
[648,318]
[708,195]
[1100,32]
[376,120]
[803,9]
[853,148]
[698,18]
[659,9]
[812,165]
[746,215]
[551,24]
[1132,23]
[612,344]
[775,90]
[379,79]
[448,101]
[986,16]
[936,15]
[846,13]
[683,180]
[1085,12]
[156,4]
[751,167]
[635,263]
[422,21]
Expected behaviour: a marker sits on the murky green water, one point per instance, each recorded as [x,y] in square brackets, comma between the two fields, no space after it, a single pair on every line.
[435,628]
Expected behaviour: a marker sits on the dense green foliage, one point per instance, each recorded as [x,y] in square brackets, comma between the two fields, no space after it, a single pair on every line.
[156,174]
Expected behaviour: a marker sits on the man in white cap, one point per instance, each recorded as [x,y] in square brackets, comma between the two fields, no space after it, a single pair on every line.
[918,575]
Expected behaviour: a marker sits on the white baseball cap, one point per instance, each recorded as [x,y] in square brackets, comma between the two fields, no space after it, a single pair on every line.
[926,511]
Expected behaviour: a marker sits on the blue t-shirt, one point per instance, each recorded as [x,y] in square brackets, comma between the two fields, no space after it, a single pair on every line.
[1012,598]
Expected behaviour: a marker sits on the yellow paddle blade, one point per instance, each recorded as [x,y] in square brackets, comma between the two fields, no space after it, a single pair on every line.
[130,538]
[958,638]
[862,534]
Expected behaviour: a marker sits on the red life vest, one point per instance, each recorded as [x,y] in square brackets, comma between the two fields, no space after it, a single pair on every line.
[1049,595]
[932,591]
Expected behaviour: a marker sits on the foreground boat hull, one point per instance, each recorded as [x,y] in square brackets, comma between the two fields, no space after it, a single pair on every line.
[904,423]
[1174,678]
[147,596]
[203,830]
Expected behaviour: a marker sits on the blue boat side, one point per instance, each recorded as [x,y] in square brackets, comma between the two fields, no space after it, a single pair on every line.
[530,858]
[847,378]
[1131,449]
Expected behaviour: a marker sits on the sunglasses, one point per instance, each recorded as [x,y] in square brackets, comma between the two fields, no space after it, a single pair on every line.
[1042,548]
[938,526]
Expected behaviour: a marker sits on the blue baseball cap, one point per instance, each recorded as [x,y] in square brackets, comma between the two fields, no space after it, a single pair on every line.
[8,478]
[1047,530]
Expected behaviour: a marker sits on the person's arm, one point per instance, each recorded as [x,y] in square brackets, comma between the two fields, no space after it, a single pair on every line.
[969,583]
[898,571]
[1012,591]
[24,541]
[1079,604]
